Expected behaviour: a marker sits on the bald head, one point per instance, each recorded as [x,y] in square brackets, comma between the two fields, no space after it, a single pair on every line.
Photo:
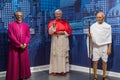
[58,14]
[101,14]
[100,17]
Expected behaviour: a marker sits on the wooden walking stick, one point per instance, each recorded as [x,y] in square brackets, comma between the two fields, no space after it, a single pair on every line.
[89,54]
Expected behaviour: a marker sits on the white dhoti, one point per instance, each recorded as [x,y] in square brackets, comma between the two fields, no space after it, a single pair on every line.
[100,52]
[101,37]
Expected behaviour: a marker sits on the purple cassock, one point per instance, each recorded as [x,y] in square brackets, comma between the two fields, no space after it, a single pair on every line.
[18,58]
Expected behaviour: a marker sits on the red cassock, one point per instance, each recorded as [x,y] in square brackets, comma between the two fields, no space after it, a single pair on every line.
[61,25]
[18,59]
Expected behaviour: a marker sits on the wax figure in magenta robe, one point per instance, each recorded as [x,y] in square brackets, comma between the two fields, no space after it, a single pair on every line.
[18,59]
[59,56]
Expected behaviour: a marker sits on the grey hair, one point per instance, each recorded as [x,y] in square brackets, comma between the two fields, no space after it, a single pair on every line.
[58,10]
[16,12]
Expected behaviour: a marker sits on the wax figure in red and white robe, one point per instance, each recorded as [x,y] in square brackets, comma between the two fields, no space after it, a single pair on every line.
[18,58]
[59,56]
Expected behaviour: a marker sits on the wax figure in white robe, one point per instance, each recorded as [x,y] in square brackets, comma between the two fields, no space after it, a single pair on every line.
[101,37]
[100,41]
[59,55]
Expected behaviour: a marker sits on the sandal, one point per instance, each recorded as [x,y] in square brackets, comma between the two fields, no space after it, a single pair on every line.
[95,79]
[105,78]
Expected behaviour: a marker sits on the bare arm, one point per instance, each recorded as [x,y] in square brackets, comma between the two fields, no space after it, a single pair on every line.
[109,49]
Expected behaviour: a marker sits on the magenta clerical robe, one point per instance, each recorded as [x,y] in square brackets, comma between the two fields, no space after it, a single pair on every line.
[18,59]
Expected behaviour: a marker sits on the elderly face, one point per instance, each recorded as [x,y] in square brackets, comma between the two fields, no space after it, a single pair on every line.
[18,16]
[100,17]
[58,14]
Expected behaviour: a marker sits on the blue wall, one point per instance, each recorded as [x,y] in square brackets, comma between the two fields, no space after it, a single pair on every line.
[37,14]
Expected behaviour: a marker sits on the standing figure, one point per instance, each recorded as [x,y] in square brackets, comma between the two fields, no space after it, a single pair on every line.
[101,37]
[18,58]
[59,30]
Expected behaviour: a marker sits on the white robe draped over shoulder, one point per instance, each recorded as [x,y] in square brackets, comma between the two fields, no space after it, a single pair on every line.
[101,35]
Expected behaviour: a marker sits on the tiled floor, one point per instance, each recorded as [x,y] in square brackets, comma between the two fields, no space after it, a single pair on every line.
[73,75]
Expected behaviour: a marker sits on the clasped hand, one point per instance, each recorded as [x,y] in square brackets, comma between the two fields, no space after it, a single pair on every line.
[23,46]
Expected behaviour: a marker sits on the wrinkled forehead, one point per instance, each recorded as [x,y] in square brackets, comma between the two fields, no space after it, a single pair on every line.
[58,13]
[100,14]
